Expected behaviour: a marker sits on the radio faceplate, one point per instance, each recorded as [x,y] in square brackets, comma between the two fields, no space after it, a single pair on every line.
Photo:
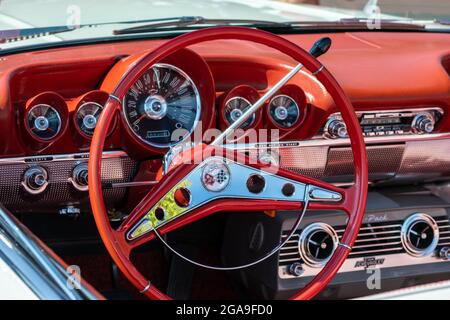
[383,123]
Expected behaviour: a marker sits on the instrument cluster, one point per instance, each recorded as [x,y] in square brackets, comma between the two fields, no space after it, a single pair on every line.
[48,115]
[286,110]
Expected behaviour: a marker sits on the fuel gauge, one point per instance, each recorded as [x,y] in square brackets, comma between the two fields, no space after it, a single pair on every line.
[87,116]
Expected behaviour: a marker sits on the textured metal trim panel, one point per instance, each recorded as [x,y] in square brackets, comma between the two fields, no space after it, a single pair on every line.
[385,159]
[426,157]
[310,161]
[60,190]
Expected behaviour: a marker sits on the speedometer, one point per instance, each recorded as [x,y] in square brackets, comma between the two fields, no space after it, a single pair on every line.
[162,107]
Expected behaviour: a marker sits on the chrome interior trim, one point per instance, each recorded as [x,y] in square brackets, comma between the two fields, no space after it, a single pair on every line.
[414,110]
[345,245]
[115,98]
[133,184]
[315,73]
[378,242]
[147,287]
[305,239]
[37,265]
[60,157]
[404,233]
[235,189]
[320,142]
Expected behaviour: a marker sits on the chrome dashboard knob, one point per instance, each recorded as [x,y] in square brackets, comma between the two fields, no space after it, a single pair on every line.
[444,253]
[423,123]
[35,180]
[336,128]
[296,269]
[79,177]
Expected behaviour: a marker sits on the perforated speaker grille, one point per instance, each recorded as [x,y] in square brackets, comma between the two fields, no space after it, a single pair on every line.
[59,189]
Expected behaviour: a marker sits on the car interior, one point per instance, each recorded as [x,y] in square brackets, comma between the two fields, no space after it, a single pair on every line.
[338,168]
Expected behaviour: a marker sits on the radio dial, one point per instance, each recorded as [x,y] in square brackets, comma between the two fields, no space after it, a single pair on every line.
[423,123]
[337,129]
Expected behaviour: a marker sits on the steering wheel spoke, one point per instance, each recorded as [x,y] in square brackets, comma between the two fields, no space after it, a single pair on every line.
[190,192]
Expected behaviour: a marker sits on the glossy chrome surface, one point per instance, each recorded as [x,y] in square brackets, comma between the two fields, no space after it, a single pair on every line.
[79,176]
[60,157]
[60,190]
[378,244]
[306,240]
[414,121]
[38,267]
[392,159]
[236,187]
[407,232]
[35,180]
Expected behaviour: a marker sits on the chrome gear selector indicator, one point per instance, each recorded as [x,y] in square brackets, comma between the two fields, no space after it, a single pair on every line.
[215,175]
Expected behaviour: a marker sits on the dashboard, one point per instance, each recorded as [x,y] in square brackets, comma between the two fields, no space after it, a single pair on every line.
[51,100]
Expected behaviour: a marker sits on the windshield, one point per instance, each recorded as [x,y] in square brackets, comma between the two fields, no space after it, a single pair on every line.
[27,14]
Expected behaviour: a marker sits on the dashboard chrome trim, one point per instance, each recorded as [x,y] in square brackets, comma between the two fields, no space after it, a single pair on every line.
[235,189]
[197,115]
[407,225]
[320,142]
[38,266]
[315,73]
[60,157]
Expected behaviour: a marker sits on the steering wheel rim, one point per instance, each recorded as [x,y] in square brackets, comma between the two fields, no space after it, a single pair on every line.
[355,197]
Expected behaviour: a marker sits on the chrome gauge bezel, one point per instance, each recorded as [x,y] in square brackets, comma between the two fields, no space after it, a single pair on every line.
[296,106]
[197,116]
[253,116]
[79,110]
[58,130]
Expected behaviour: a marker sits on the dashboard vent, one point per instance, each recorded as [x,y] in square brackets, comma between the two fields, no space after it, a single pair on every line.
[373,239]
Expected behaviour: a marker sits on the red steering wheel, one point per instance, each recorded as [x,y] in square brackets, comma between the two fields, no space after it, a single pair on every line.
[159,210]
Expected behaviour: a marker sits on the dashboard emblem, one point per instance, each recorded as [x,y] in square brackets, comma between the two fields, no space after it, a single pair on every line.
[368,262]
[215,175]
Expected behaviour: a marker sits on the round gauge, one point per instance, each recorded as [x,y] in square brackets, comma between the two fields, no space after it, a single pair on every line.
[235,108]
[87,116]
[284,111]
[43,121]
[162,108]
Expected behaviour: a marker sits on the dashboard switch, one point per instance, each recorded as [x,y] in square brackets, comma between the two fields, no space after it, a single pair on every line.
[79,177]
[296,269]
[35,180]
[423,123]
[336,128]
[444,253]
